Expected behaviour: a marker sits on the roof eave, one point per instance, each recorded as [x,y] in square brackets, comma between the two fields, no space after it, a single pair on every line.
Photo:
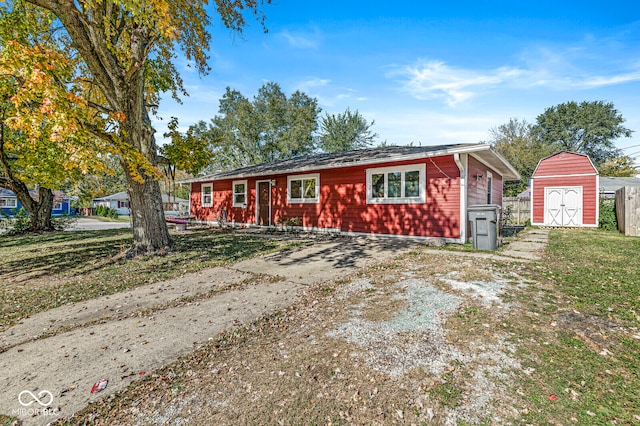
[358,162]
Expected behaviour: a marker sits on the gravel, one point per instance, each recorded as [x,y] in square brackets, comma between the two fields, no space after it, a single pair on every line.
[414,338]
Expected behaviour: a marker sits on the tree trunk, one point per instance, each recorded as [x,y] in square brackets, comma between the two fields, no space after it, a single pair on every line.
[150,232]
[39,211]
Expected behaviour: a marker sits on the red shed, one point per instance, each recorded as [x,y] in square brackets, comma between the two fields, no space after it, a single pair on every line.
[564,191]
[407,191]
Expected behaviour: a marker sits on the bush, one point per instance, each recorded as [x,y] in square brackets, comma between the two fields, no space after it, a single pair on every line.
[106,212]
[608,220]
[16,224]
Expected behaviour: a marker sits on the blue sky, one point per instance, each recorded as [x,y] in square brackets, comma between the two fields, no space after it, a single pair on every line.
[430,73]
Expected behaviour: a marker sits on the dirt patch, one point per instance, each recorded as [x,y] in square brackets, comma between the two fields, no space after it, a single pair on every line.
[594,331]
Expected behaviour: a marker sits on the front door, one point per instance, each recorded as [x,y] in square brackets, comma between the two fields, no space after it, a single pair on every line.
[562,206]
[264,203]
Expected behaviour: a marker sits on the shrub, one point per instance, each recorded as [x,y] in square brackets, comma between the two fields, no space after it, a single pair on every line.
[608,220]
[16,224]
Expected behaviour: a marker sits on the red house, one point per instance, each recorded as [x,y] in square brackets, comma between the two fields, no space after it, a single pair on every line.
[564,191]
[419,191]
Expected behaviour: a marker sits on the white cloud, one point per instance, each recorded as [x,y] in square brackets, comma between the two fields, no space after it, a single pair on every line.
[301,41]
[436,80]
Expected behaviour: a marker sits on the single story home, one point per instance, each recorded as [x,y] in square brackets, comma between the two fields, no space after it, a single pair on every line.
[9,202]
[120,202]
[409,191]
[564,191]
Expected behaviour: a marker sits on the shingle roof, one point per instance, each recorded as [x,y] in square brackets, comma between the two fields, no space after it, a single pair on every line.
[6,193]
[612,184]
[354,158]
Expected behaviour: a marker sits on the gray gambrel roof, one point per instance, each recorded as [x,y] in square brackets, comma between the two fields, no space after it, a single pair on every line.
[365,157]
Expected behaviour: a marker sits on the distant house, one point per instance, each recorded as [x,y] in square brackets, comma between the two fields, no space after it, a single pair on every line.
[120,202]
[564,191]
[9,202]
[403,191]
[609,185]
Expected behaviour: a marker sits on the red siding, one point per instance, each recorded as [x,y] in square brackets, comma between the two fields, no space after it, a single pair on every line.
[343,202]
[477,186]
[557,171]
[564,163]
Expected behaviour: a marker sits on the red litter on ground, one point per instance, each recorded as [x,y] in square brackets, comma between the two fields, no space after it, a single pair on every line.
[99,386]
[553,397]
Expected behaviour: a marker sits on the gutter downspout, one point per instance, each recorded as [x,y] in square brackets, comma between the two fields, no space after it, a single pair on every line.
[463,197]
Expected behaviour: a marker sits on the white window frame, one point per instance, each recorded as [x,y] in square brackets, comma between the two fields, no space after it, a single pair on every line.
[10,203]
[420,199]
[57,206]
[315,199]
[489,187]
[202,187]
[234,193]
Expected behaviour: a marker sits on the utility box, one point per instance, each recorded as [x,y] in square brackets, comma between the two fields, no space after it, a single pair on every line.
[484,220]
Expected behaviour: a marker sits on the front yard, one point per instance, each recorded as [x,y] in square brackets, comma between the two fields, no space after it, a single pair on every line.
[42,272]
[433,336]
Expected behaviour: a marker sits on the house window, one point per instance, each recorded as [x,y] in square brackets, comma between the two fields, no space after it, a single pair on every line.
[8,202]
[240,193]
[207,195]
[57,206]
[123,204]
[303,188]
[397,185]
[489,188]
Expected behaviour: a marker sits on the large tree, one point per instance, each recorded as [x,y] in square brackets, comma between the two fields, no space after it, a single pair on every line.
[345,132]
[41,143]
[270,127]
[516,142]
[127,50]
[588,128]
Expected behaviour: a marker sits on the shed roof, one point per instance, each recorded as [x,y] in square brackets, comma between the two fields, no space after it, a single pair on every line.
[365,157]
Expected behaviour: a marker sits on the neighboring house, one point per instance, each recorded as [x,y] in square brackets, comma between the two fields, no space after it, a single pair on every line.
[564,191]
[61,202]
[8,201]
[120,202]
[609,185]
[402,191]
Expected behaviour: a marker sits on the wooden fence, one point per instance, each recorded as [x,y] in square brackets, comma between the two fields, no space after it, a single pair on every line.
[520,209]
[628,210]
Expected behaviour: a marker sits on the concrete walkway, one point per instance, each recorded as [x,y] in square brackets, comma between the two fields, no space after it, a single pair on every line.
[126,336]
[528,245]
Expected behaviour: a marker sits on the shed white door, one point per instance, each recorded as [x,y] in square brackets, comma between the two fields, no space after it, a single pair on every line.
[563,206]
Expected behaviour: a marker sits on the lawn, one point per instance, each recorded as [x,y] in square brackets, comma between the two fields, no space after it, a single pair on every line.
[41,272]
[560,344]
[580,341]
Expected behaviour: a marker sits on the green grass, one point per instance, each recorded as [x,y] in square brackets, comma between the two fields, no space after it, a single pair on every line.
[595,274]
[84,265]
[599,271]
